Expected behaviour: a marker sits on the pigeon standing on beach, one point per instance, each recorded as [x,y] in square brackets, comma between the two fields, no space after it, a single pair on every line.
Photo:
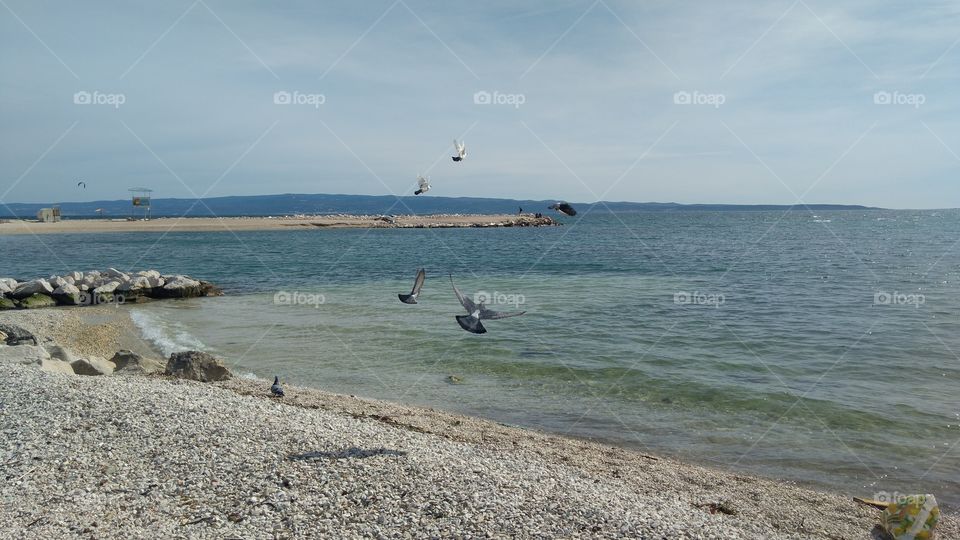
[471,323]
[276,389]
[417,285]
[461,148]
[563,208]
[424,184]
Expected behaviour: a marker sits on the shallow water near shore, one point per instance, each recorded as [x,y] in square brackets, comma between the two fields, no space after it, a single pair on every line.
[818,348]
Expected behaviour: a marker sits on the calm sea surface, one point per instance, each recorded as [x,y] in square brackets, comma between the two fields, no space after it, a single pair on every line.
[817,348]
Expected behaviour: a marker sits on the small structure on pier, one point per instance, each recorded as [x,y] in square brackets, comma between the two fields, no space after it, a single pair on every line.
[140,197]
[49,215]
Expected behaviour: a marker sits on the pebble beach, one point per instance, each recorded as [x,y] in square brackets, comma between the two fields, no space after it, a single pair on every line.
[133,456]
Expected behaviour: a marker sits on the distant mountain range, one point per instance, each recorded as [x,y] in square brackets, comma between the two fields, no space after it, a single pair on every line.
[286,204]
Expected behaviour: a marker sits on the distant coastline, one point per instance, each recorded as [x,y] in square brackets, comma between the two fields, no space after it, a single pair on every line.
[324,204]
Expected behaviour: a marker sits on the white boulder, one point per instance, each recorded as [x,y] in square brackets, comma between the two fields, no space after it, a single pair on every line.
[36,286]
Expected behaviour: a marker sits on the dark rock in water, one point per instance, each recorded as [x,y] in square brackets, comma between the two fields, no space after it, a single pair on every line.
[131,362]
[197,366]
[14,335]
[209,289]
[36,301]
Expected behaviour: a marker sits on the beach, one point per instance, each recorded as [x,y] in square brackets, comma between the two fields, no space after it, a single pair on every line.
[235,224]
[125,456]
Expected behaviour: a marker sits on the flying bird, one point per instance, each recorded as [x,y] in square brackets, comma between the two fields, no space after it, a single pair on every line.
[461,148]
[563,208]
[81,183]
[417,285]
[471,323]
[276,389]
[424,184]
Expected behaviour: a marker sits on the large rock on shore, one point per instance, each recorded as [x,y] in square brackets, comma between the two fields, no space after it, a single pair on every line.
[6,303]
[92,365]
[129,362]
[24,354]
[36,301]
[29,288]
[67,294]
[197,366]
[56,366]
[14,335]
[178,287]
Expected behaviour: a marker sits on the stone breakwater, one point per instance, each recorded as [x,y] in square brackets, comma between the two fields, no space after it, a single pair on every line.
[96,287]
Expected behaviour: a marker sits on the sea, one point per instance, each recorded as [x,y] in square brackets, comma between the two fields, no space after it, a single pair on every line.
[819,347]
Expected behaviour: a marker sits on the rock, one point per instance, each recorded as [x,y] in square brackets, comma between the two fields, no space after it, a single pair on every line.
[14,335]
[61,353]
[209,289]
[56,366]
[135,286]
[150,274]
[107,288]
[75,276]
[37,286]
[5,288]
[6,303]
[93,365]
[178,287]
[57,281]
[67,294]
[116,274]
[24,354]
[8,282]
[197,366]
[130,362]
[36,301]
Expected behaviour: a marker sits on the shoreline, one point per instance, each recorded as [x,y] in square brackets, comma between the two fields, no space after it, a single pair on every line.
[488,469]
[269,223]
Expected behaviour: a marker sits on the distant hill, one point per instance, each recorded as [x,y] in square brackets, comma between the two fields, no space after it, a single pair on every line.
[278,205]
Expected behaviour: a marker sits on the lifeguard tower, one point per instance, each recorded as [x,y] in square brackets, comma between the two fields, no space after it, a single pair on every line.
[140,199]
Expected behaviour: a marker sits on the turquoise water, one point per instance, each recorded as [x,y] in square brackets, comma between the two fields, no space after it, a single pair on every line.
[817,348]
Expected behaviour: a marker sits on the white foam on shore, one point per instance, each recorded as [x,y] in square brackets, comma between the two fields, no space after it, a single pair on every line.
[169,337]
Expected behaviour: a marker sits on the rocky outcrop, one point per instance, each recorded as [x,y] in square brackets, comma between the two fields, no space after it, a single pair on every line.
[14,335]
[197,366]
[96,287]
[56,366]
[128,362]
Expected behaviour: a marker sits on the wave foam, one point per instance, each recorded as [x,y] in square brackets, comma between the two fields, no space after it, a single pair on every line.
[169,337]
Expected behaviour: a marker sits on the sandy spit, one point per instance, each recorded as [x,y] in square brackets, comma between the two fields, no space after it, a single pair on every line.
[234,224]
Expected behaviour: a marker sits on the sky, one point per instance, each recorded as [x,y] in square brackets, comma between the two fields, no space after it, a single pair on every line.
[764,102]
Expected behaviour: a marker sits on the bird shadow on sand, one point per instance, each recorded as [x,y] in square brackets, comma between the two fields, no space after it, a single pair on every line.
[349,453]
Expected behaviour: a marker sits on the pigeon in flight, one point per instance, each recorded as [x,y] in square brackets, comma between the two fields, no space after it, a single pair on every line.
[417,285]
[563,208]
[461,150]
[424,184]
[276,389]
[471,323]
